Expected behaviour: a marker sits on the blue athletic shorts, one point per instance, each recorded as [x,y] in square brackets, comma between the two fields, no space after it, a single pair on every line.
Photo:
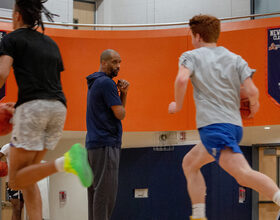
[216,137]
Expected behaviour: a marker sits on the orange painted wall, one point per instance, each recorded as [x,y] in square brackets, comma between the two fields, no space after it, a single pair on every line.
[150,61]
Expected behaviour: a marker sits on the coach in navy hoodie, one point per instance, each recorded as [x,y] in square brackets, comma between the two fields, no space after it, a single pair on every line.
[105,110]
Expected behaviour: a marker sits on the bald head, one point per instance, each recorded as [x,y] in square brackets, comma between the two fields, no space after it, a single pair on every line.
[110,62]
[108,54]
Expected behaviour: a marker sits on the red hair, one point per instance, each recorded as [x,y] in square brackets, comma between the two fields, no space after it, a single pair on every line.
[207,26]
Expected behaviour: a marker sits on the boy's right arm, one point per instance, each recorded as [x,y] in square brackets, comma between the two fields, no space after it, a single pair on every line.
[253,96]
[181,83]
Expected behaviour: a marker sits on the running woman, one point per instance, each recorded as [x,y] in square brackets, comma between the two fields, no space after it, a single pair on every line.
[40,110]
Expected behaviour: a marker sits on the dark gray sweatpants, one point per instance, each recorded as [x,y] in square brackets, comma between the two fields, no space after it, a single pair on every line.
[102,193]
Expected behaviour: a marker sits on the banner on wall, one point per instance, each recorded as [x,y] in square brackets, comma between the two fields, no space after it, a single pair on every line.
[273,63]
[3,89]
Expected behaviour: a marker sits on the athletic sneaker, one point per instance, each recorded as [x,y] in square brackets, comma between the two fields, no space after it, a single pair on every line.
[198,218]
[278,216]
[76,162]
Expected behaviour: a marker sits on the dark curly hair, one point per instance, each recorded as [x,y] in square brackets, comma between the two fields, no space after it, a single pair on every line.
[31,12]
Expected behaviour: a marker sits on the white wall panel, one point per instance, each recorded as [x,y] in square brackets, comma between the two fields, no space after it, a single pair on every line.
[129,12]
[241,7]
[161,11]
[64,8]
[267,6]
[6,12]
[76,205]
[151,11]
[8,4]
[100,13]
[175,11]
[218,8]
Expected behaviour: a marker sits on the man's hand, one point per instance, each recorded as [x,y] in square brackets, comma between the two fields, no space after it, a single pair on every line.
[123,85]
[172,108]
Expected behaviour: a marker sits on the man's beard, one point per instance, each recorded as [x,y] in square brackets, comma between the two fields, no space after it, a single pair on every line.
[114,73]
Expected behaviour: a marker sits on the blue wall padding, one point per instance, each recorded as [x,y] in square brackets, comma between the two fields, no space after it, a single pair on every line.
[161,172]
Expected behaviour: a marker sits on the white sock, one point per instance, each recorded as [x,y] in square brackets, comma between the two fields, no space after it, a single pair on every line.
[276,198]
[198,211]
[59,164]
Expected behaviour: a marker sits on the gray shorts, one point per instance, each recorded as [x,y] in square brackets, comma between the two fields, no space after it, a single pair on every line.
[38,125]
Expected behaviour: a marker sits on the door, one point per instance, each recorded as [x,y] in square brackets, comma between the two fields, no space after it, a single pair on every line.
[84,13]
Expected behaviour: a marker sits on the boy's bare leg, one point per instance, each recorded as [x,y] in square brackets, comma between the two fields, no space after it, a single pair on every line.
[237,166]
[192,163]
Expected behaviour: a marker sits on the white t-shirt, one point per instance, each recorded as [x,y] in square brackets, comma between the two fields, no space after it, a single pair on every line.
[216,76]
[6,151]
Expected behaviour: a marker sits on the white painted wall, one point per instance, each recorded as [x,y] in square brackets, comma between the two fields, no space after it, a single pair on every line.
[162,11]
[6,4]
[267,6]
[64,8]
[5,12]
[76,206]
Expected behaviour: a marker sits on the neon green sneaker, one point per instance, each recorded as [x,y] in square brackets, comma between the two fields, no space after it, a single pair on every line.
[76,162]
